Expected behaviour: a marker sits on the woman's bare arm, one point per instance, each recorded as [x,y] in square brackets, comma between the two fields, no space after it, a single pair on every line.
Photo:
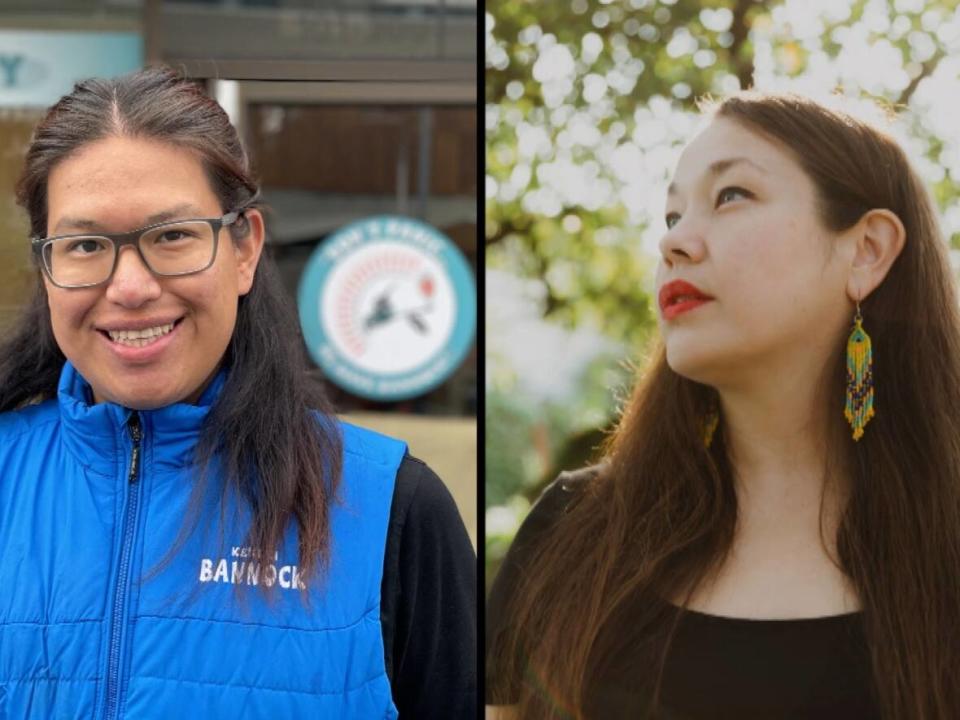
[500,712]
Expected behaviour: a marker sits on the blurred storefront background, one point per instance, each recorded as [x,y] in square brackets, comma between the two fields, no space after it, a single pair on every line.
[350,111]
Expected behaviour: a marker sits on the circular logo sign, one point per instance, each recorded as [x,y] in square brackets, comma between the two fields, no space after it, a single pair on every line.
[388,307]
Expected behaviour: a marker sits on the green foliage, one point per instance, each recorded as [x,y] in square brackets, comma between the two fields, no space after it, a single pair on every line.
[507,434]
[530,441]
[589,264]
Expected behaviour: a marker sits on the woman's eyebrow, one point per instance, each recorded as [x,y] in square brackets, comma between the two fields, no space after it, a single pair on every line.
[719,167]
[94,226]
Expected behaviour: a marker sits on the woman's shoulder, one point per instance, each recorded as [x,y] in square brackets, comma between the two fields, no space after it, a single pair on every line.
[553,502]
[366,444]
[568,487]
[22,432]
[558,497]
[571,484]
[23,421]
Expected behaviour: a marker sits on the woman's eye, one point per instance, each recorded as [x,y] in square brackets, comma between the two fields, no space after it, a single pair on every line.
[672,219]
[732,193]
[171,236]
[85,246]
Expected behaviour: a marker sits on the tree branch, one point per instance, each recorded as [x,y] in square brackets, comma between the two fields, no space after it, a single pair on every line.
[740,29]
[926,69]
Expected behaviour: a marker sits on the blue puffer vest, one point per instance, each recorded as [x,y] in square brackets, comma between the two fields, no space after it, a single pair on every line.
[92,625]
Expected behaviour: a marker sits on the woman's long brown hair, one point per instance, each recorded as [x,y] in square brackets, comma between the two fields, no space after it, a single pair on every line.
[661,516]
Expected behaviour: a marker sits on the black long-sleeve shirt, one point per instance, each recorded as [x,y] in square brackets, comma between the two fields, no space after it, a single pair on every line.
[717,667]
[428,600]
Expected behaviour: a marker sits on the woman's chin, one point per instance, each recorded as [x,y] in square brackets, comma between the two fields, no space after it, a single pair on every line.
[699,367]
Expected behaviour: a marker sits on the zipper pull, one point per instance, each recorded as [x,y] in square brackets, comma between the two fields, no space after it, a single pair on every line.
[134,425]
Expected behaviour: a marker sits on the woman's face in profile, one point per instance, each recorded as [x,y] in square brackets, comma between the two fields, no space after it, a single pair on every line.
[744,229]
[141,340]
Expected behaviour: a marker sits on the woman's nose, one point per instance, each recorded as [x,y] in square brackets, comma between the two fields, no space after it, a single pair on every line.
[684,242]
[132,283]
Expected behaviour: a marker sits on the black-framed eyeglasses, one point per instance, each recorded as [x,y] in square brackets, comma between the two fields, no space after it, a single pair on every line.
[168,249]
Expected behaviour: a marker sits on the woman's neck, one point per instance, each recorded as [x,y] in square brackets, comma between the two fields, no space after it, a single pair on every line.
[780,410]
[777,439]
[783,562]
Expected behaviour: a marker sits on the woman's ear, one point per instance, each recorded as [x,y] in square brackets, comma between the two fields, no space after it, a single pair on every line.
[879,238]
[247,249]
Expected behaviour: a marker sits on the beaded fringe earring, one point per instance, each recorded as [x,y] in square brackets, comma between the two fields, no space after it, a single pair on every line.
[859,408]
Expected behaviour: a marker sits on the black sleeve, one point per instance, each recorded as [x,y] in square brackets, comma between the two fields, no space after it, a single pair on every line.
[499,690]
[429,600]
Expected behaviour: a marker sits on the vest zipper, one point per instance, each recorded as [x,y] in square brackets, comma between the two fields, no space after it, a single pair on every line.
[118,621]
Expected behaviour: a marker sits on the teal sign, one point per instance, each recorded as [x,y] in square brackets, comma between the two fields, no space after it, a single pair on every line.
[37,67]
[388,307]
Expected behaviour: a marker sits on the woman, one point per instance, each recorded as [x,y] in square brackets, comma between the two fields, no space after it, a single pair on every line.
[763,540]
[187,529]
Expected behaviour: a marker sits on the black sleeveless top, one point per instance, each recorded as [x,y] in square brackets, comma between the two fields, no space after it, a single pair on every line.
[716,667]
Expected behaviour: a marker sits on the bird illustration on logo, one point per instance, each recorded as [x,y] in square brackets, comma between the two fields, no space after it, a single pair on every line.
[383,311]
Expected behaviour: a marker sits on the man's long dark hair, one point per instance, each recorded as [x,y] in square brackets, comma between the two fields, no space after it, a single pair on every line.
[270,429]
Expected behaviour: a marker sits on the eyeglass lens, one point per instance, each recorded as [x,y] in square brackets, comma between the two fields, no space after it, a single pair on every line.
[172,249]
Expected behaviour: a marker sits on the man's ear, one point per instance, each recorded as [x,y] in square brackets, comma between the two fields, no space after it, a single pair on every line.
[247,250]
[879,238]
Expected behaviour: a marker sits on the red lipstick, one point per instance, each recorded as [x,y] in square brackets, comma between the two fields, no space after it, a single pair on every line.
[678,297]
